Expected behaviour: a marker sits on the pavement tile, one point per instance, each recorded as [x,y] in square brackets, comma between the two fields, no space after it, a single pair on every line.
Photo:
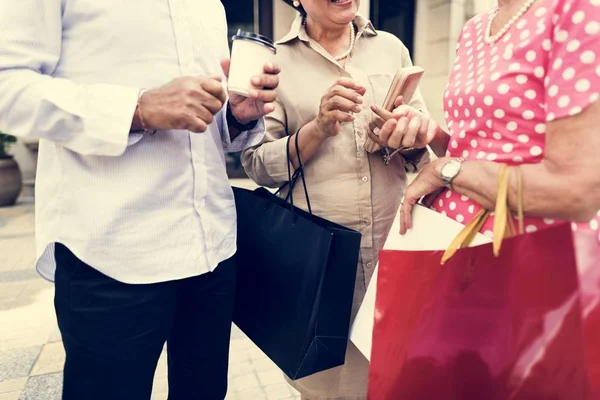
[236,333]
[252,394]
[12,385]
[55,336]
[16,253]
[238,369]
[244,382]
[264,364]
[51,359]
[9,293]
[161,368]
[278,391]
[232,396]
[10,395]
[270,377]
[239,356]
[19,275]
[241,344]
[17,363]
[160,385]
[47,387]
[255,353]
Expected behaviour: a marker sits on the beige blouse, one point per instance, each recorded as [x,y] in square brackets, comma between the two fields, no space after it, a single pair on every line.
[346,185]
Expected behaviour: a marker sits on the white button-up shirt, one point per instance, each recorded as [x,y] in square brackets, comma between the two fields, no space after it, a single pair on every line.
[140,209]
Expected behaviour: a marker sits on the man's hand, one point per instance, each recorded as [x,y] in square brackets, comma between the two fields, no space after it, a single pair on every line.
[260,100]
[188,103]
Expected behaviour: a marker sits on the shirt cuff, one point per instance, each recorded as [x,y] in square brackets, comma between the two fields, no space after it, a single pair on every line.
[244,140]
[109,123]
[415,162]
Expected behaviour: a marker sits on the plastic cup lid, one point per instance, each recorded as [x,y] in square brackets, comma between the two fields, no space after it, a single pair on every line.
[255,37]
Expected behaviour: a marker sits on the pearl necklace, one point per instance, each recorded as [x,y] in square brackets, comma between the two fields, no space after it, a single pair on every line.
[352,41]
[489,39]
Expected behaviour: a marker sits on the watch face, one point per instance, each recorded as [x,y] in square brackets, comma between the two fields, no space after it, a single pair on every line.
[450,170]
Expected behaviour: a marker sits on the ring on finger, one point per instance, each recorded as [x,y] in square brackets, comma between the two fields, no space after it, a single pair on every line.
[376,131]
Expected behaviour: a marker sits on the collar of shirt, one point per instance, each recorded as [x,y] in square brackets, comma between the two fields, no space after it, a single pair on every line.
[365,27]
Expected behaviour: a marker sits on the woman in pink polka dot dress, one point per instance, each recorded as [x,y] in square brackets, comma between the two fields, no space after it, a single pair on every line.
[524,91]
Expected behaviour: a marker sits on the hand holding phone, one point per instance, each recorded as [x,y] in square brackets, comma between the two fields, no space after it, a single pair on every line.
[405,84]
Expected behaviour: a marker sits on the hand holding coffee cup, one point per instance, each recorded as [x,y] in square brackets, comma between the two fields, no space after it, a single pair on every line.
[252,76]
[337,105]
[250,53]
[188,103]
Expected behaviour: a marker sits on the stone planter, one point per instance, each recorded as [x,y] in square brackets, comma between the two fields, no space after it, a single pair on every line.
[10,181]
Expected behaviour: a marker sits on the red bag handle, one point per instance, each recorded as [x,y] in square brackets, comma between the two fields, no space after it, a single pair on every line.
[503,222]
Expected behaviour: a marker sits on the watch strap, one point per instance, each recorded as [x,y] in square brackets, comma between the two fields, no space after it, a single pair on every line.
[449,179]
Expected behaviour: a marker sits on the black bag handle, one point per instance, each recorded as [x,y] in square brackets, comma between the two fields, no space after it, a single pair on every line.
[301,168]
[293,179]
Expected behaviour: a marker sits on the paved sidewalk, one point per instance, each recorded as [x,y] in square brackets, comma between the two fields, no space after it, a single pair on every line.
[31,353]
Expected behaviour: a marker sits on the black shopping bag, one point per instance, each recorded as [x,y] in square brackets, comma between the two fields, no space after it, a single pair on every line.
[295,285]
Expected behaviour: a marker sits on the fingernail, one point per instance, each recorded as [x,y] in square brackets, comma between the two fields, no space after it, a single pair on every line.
[255,80]
[270,65]
[360,99]
[357,109]
[374,107]
[253,94]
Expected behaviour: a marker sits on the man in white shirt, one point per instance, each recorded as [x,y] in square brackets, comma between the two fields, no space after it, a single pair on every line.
[134,212]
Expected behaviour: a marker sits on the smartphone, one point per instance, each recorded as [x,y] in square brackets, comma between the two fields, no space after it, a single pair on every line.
[405,84]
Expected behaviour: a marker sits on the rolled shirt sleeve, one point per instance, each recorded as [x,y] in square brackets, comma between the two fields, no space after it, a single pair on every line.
[266,162]
[88,119]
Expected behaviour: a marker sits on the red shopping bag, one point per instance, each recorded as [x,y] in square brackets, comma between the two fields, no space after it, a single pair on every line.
[588,253]
[481,327]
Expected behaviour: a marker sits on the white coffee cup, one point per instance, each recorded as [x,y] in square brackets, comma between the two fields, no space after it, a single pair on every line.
[249,54]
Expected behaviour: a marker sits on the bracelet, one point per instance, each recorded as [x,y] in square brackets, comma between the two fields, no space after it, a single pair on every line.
[233,122]
[140,116]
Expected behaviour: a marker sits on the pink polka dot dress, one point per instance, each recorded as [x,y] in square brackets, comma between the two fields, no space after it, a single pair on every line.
[500,96]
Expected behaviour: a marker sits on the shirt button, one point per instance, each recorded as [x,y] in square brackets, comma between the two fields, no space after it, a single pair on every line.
[365,179]
[369,265]
[367,222]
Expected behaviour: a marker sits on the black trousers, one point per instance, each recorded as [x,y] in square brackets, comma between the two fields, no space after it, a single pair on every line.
[114,333]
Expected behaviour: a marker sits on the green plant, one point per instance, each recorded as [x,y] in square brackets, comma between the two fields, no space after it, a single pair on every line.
[5,140]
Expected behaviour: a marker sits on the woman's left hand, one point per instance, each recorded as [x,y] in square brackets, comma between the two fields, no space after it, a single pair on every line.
[427,186]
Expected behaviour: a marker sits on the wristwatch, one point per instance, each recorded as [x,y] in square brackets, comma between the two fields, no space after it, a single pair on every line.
[450,170]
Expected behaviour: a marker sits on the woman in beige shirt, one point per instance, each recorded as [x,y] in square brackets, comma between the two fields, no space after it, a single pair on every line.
[335,66]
